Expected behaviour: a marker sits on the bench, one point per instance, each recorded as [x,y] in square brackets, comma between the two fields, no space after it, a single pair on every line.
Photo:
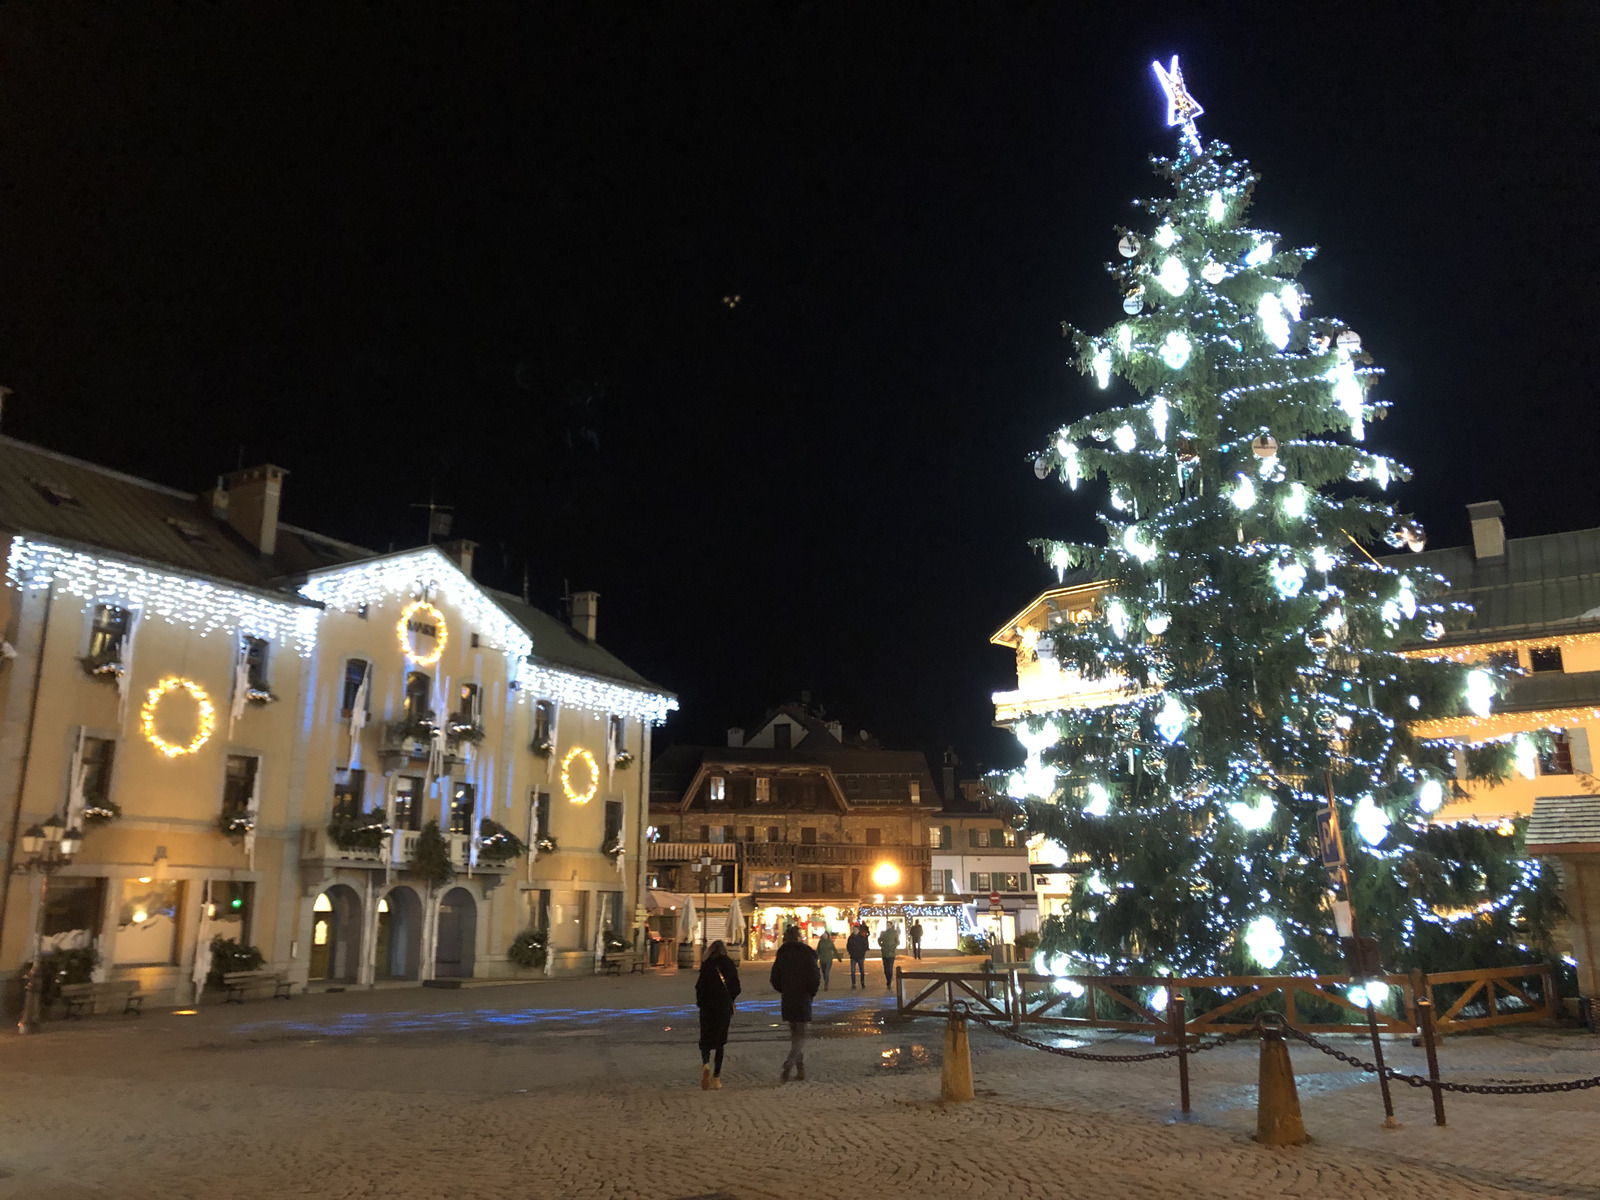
[88,996]
[613,964]
[238,983]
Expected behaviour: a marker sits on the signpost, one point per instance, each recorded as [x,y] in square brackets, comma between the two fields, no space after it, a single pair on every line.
[994,901]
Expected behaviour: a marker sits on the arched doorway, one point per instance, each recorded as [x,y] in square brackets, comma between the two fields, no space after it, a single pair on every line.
[335,935]
[399,949]
[458,933]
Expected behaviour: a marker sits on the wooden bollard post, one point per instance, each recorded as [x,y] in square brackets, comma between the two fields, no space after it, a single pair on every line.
[955,1074]
[1278,1120]
[1425,1020]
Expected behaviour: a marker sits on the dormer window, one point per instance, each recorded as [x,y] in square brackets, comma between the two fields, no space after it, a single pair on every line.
[58,496]
[188,531]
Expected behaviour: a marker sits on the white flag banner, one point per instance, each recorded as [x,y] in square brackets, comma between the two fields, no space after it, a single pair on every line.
[241,685]
[125,676]
[77,777]
[202,945]
[555,721]
[391,853]
[611,749]
[253,814]
[358,716]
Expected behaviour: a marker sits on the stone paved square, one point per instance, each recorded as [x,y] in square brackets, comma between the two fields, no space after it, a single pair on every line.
[590,1088]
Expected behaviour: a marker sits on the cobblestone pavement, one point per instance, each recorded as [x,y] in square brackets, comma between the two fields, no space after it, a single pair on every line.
[590,1088]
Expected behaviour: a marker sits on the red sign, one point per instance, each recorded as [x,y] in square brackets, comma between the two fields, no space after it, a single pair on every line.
[994,899]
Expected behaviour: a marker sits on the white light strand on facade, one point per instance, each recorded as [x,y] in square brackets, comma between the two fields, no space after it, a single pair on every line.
[176,599]
[596,695]
[428,571]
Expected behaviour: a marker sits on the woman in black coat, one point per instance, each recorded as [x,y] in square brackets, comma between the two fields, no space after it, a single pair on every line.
[715,991]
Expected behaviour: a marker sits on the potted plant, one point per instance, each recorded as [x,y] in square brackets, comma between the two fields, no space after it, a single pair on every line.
[497,844]
[431,863]
[528,948]
[228,956]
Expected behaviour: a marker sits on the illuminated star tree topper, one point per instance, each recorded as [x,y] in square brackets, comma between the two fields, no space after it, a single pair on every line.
[1182,108]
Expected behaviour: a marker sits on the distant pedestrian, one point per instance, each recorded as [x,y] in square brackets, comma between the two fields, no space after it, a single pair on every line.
[826,953]
[715,991]
[916,940]
[889,944]
[796,977]
[856,946]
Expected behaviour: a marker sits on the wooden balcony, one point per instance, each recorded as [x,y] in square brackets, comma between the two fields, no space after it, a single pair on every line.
[693,852]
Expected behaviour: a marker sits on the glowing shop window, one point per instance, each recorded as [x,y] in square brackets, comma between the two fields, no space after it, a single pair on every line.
[147,922]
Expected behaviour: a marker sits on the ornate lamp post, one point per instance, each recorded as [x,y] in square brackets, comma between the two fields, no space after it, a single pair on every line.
[705,899]
[46,849]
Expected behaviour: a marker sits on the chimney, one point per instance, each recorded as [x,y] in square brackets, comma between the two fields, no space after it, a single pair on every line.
[460,551]
[1488,530]
[735,737]
[215,501]
[585,612]
[252,504]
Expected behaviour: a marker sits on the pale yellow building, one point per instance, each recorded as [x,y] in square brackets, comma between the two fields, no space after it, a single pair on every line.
[219,699]
[1536,609]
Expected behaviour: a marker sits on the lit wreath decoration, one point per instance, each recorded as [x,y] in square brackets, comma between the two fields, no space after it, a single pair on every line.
[202,733]
[566,775]
[404,634]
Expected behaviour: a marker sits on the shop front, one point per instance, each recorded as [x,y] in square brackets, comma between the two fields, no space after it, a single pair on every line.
[942,924]
[766,930]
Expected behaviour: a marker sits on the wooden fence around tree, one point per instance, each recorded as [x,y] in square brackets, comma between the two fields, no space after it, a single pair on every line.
[1463,1000]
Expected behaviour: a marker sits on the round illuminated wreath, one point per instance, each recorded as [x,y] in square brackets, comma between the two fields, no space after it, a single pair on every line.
[404,633]
[207,720]
[566,775]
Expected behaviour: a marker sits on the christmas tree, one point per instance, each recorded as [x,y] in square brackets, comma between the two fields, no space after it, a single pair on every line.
[1259,644]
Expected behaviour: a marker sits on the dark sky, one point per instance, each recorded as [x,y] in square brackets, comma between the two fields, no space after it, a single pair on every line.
[484,250]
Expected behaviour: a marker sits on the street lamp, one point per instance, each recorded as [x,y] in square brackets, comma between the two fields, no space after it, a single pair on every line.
[47,848]
[705,899]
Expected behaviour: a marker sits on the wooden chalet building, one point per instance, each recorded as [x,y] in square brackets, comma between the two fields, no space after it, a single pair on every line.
[803,823]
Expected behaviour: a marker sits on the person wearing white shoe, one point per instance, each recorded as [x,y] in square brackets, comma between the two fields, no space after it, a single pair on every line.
[714,993]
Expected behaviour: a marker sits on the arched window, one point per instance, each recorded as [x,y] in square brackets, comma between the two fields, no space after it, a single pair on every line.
[419,696]
[355,671]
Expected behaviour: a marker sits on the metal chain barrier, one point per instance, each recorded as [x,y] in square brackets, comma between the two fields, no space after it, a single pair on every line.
[1422,1081]
[962,1009]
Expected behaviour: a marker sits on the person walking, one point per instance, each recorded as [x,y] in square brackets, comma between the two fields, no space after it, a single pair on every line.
[916,940]
[826,953]
[856,946]
[796,977]
[889,944]
[714,992]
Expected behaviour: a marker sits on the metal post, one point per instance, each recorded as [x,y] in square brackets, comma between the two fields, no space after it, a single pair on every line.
[33,990]
[1383,1075]
[1179,1025]
[1425,1019]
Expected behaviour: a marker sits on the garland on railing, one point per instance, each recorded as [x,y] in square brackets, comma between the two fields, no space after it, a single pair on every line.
[497,844]
[365,832]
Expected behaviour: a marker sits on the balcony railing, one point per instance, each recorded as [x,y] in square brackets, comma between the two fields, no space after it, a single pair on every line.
[684,852]
[317,848]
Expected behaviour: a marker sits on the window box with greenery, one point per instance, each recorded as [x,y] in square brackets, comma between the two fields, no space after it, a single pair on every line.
[624,760]
[612,847]
[99,812]
[363,832]
[542,747]
[235,824]
[546,844]
[259,695]
[464,730]
[105,666]
[497,844]
[528,948]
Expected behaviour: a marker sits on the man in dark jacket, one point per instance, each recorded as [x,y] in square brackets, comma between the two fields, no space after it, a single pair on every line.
[856,945]
[796,976]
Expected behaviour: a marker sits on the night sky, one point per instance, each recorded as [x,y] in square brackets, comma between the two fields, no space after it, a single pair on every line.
[483,251]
